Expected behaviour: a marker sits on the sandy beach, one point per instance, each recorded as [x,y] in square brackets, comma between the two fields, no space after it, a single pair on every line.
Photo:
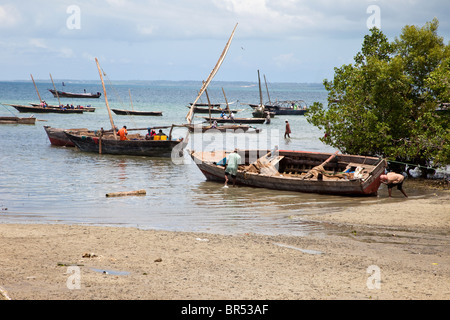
[399,249]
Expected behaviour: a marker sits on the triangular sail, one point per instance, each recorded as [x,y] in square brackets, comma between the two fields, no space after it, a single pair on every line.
[211,76]
[106,99]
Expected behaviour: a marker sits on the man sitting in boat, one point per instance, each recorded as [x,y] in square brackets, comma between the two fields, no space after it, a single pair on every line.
[160,136]
[150,135]
[123,133]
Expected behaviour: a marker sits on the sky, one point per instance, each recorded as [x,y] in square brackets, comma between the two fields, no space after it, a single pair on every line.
[287,40]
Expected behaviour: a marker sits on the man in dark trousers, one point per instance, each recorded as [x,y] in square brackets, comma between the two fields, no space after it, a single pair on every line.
[288,130]
[393,179]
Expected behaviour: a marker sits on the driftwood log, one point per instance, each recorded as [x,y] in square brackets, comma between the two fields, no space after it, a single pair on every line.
[141,192]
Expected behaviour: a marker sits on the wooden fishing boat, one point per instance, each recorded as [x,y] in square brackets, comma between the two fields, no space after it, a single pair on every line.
[236,120]
[84,108]
[236,128]
[137,145]
[39,109]
[17,120]
[300,171]
[215,109]
[137,113]
[58,138]
[64,94]
[107,142]
[285,108]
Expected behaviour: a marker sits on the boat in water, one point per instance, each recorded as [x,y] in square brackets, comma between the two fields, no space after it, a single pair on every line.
[136,113]
[235,128]
[64,94]
[235,120]
[58,138]
[17,120]
[300,171]
[87,108]
[39,109]
[285,108]
[136,145]
[108,142]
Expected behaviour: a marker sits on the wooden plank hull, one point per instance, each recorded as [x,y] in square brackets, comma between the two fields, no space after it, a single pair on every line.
[137,113]
[63,94]
[222,128]
[285,180]
[17,120]
[236,120]
[214,110]
[151,148]
[58,138]
[32,109]
[85,109]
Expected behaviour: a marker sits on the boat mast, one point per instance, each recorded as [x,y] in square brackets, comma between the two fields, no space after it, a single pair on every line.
[36,88]
[131,101]
[267,89]
[211,75]
[106,100]
[57,95]
[226,101]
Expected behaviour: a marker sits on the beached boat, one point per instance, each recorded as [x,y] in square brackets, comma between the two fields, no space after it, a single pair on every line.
[39,109]
[64,94]
[137,113]
[300,171]
[17,120]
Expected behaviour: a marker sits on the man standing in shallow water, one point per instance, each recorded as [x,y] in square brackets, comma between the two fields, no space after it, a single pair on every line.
[393,179]
[233,161]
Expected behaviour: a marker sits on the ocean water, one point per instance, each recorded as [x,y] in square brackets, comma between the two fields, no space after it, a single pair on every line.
[40,183]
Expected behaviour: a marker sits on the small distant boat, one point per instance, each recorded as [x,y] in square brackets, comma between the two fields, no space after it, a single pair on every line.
[300,171]
[17,120]
[215,108]
[237,128]
[236,120]
[64,94]
[136,113]
[84,108]
[39,109]
[286,108]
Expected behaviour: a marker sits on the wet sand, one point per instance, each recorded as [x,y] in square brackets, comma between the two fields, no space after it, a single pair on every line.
[403,243]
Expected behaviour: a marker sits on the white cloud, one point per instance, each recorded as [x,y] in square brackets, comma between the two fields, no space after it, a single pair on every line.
[9,16]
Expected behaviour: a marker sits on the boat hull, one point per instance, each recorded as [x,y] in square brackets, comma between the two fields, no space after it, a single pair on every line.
[17,120]
[150,148]
[236,120]
[63,94]
[283,181]
[222,128]
[58,138]
[137,113]
[31,109]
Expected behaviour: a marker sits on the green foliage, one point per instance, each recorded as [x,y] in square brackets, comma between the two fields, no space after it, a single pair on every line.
[384,104]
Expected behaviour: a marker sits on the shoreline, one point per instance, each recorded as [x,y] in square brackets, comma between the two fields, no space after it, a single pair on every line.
[407,242]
